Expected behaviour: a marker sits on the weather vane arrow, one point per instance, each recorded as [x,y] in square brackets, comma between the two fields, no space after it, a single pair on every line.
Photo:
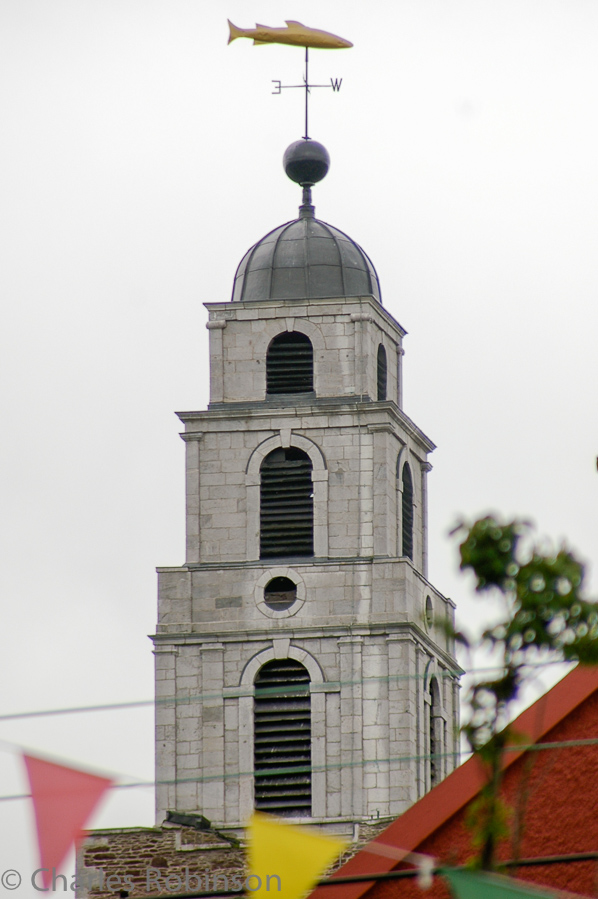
[297,35]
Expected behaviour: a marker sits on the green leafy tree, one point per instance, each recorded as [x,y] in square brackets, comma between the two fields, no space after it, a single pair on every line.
[545,619]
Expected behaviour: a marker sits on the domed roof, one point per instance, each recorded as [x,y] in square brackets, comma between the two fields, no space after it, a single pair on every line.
[305,259]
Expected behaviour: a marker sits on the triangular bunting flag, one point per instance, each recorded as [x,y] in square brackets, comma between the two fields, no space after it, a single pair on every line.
[63,800]
[477,885]
[287,861]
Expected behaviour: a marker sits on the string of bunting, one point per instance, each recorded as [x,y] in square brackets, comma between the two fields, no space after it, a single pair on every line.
[64,799]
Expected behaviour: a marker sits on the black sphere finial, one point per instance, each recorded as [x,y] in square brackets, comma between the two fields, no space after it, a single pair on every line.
[306,162]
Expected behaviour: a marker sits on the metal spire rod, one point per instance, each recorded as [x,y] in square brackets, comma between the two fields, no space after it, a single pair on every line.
[335,84]
[306,135]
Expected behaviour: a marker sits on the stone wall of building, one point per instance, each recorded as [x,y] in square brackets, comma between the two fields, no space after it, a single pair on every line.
[370,734]
[139,861]
[146,861]
[363,621]
[345,335]
[357,453]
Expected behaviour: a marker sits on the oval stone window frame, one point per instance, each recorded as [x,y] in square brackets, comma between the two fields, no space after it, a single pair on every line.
[265,579]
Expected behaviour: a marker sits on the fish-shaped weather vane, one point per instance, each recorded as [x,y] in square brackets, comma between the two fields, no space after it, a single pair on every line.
[298,35]
[295,33]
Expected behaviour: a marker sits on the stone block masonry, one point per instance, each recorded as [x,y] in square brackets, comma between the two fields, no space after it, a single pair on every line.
[305,567]
[136,862]
[358,623]
[141,861]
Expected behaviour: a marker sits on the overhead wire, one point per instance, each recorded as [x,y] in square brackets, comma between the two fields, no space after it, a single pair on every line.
[301,769]
[177,700]
[224,694]
[403,874]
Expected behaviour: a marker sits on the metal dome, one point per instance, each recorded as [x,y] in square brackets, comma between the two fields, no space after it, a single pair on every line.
[305,259]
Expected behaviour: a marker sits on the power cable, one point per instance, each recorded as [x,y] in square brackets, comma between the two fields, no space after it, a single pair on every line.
[405,874]
[303,769]
[198,697]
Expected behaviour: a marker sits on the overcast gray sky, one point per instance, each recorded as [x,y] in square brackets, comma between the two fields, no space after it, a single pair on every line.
[140,158]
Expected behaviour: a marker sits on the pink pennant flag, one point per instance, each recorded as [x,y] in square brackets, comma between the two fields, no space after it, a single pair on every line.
[63,800]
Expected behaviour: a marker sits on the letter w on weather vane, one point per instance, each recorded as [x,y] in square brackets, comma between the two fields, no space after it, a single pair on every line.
[297,35]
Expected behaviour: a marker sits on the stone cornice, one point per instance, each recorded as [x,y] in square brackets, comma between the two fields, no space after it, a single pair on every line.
[344,633]
[302,308]
[263,410]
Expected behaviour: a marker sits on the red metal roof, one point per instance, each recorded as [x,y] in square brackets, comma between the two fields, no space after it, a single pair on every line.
[408,831]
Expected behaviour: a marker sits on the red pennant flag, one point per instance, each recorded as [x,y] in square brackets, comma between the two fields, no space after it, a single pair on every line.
[63,800]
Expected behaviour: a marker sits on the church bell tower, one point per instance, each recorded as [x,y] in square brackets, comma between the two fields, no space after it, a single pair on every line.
[301,664]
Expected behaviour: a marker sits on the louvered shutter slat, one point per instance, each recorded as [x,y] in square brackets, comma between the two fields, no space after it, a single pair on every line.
[286,504]
[289,364]
[282,741]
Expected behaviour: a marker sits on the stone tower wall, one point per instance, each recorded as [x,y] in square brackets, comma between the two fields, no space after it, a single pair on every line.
[359,624]
[369,740]
[345,335]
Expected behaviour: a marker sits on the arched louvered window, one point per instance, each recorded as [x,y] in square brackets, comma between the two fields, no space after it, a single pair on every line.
[435,739]
[407,512]
[282,739]
[290,364]
[382,373]
[286,504]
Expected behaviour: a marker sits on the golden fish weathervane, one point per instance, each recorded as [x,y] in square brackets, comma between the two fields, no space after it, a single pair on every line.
[295,33]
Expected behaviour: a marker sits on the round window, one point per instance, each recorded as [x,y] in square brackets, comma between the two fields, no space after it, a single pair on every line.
[280,593]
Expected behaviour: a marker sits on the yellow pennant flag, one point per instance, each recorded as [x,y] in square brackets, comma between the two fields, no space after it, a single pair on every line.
[285,862]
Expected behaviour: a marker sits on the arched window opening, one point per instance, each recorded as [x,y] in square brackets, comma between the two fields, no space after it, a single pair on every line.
[282,739]
[435,733]
[280,593]
[286,504]
[290,364]
[407,512]
[382,373]
[429,613]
